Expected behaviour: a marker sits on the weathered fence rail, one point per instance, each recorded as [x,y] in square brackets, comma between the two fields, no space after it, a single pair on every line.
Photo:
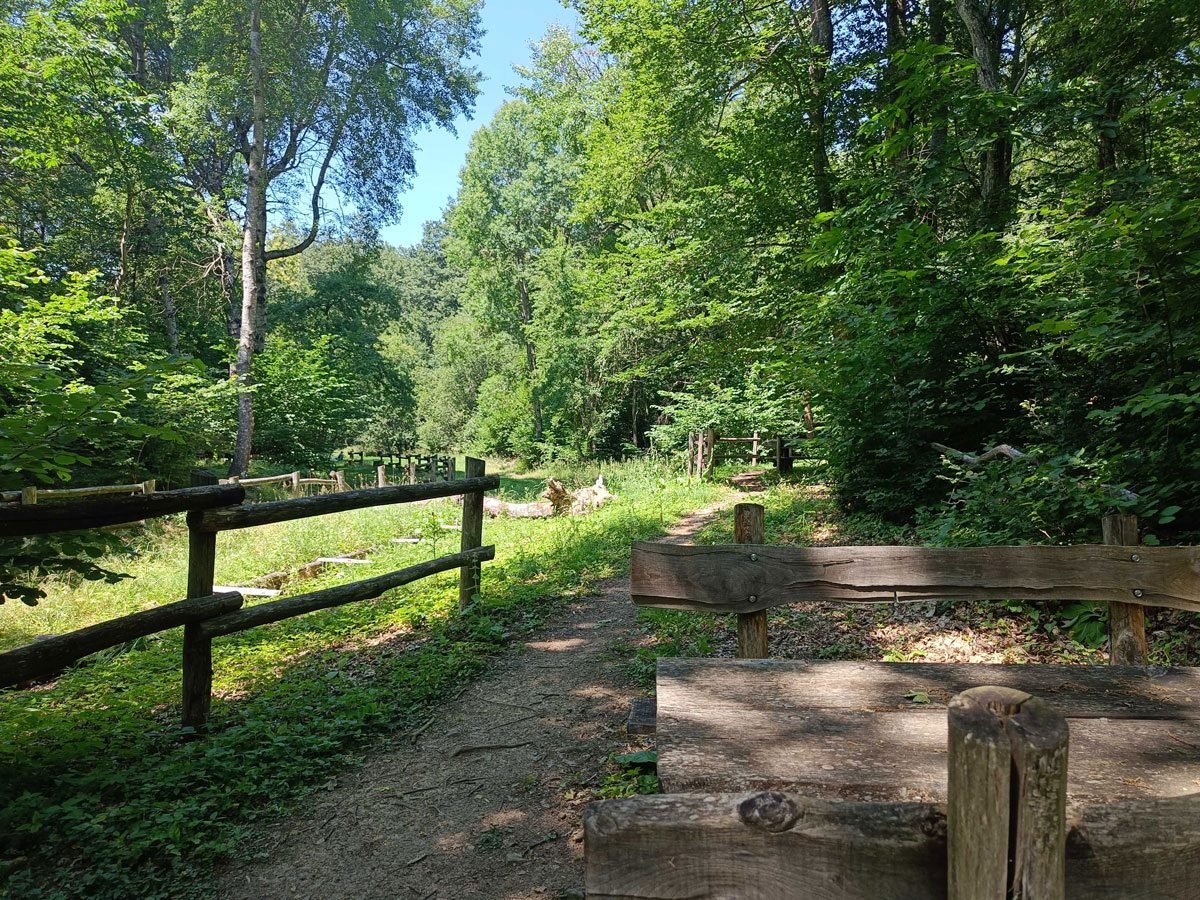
[206,614]
[33,494]
[26,520]
[750,577]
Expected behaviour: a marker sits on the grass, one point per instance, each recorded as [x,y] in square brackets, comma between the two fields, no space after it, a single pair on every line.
[103,797]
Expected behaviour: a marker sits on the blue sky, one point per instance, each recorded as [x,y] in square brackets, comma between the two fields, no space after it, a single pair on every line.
[510,26]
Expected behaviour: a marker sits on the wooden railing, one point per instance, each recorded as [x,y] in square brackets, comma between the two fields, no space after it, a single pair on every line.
[416,465]
[204,614]
[31,494]
[750,577]
[705,449]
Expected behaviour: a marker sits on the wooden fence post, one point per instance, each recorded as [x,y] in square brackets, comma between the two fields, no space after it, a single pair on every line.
[749,528]
[754,450]
[1007,797]
[412,471]
[381,475]
[691,453]
[197,648]
[472,535]
[1127,644]
[710,440]
[295,483]
[783,456]
[339,479]
[29,495]
[149,485]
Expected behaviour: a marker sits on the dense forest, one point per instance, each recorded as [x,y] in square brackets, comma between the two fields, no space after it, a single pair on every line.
[962,223]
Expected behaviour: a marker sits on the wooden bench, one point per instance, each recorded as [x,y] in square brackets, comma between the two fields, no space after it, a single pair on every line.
[790,779]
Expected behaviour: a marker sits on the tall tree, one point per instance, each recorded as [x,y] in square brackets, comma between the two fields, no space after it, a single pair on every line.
[337,88]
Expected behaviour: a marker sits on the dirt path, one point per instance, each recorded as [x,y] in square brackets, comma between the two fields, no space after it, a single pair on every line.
[487,802]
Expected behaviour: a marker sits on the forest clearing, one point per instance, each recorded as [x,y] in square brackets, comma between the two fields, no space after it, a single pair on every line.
[625,448]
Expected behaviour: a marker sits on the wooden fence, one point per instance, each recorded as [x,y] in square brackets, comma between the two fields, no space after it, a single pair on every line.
[30,495]
[212,508]
[705,449]
[417,466]
[1002,832]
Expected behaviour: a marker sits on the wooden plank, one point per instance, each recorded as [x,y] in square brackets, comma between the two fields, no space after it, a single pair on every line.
[1126,621]
[303,507]
[469,579]
[828,730]
[901,755]
[1115,692]
[276,610]
[20,521]
[642,716]
[785,847]
[723,579]
[51,654]
[749,527]
[762,846]
[1135,850]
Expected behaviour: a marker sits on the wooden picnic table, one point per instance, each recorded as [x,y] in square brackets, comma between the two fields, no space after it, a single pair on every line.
[872,731]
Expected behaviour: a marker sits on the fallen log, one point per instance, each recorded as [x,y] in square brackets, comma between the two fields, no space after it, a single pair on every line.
[556,501]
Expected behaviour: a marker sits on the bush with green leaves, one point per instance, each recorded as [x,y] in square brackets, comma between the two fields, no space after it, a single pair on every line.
[302,403]
[75,393]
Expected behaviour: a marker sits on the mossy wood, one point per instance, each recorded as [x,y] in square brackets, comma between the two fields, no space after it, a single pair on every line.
[49,655]
[20,521]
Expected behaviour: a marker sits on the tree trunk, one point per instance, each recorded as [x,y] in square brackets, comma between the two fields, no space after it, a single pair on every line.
[1108,143]
[822,39]
[170,316]
[937,34]
[254,237]
[986,39]
[530,360]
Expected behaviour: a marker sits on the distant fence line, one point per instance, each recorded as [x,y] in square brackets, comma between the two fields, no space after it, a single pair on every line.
[705,447]
[205,614]
[418,468]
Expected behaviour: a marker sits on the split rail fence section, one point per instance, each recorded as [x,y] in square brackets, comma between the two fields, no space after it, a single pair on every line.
[212,508]
[705,449]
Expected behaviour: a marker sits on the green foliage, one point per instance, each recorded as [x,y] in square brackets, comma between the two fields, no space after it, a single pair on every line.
[501,425]
[301,403]
[71,394]
[1056,500]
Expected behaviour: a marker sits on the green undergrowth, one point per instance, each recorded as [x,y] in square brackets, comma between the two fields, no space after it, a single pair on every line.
[104,797]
